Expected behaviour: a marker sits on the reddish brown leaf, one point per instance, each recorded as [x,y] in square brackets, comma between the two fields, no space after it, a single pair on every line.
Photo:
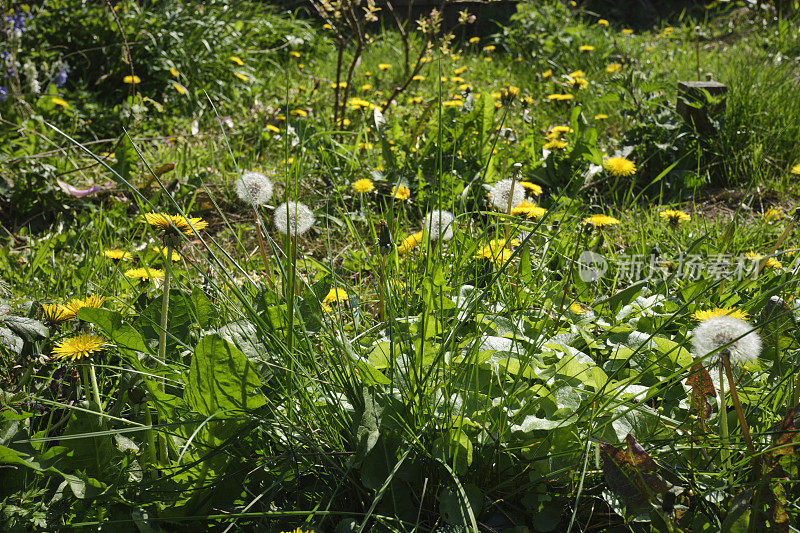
[163,169]
[787,433]
[628,473]
[702,387]
[638,457]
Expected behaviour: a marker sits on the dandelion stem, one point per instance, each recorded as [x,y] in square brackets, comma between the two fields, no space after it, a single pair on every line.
[726,362]
[723,422]
[262,247]
[150,456]
[95,388]
[162,336]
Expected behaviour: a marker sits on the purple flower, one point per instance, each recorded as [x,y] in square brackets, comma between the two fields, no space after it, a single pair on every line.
[18,19]
[61,78]
[3,93]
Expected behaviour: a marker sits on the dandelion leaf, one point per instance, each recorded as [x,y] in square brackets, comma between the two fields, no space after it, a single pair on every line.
[222,379]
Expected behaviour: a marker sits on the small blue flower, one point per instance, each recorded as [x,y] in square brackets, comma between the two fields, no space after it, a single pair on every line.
[3,93]
[61,78]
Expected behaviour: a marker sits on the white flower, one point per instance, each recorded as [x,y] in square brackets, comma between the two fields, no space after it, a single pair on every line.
[439,224]
[254,188]
[294,218]
[725,333]
[500,193]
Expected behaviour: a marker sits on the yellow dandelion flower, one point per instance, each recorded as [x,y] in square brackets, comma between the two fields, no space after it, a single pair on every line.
[294,53]
[702,315]
[299,112]
[401,192]
[384,66]
[274,129]
[577,308]
[237,60]
[555,144]
[452,103]
[335,296]
[460,70]
[773,213]
[600,116]
[145,273]
[529,209]
[473,40]
[601,220]
[409,243]
[71,308]
[627,31]
[577,74]
[533,188]
[131,79]
[163,251]
[117,255]
[364,185]
[174,72]
[242,76]
[60,102]
[602,22]
[489,48]
[586,48]
[54,314]
[619,166]
[675,216]
[79,347]
[611,68]
[163,221]
[560,97]
[496,251]
[795,169]
[547,73]
[770,262]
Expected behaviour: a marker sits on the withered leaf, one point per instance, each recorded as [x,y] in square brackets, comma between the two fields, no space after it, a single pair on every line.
[702,387]
[629,473]
[786,433]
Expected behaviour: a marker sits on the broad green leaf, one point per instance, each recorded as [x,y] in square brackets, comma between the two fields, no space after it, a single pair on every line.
[222,379]
[113,326]
[25,327]
[454,510]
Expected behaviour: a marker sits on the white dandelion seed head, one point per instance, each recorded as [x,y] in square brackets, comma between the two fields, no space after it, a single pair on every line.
[743,343]
[254,188]
[500,193]
[439,224]
[293,218]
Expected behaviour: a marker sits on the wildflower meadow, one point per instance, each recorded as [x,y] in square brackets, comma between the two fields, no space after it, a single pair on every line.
[362,265]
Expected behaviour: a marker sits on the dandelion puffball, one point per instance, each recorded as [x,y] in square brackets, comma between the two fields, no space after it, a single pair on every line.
[439,224]
[737,336]
[293,218]
[501,192]
[254,188]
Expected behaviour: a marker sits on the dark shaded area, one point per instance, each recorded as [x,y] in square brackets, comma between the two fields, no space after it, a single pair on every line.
[644,14]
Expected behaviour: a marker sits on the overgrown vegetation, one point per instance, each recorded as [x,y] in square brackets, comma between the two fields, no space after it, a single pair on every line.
[512,298]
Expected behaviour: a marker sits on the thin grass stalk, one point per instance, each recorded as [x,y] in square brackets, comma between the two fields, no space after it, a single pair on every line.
[723,423]
[162,337]
[262,247]
[751,449]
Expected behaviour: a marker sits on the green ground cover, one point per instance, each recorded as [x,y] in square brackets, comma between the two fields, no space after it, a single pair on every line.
[264,270]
